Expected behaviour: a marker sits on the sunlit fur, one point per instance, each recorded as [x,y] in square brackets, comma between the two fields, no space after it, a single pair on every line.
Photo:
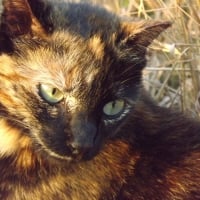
[71,150]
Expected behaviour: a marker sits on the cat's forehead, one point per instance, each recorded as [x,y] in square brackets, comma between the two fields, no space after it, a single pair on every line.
[79,62]
[65,61]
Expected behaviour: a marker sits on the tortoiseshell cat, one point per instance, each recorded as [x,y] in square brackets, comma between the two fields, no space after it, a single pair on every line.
[75,122]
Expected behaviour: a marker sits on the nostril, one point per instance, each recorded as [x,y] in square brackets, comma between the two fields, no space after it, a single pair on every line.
[75,150]
[78,152]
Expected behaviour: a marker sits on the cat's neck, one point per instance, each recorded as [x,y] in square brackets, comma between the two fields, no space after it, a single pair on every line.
[152,128]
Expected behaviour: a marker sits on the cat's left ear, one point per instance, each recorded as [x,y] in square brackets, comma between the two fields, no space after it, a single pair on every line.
[142,33]
[21,18]
[18,17]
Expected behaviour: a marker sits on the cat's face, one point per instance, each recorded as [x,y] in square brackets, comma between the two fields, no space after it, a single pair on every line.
[70,88]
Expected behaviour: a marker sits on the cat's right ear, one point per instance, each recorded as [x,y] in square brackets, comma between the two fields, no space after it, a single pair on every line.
[21,18]
[142,33]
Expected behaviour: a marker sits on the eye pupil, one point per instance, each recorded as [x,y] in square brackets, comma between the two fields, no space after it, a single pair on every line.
[54,91]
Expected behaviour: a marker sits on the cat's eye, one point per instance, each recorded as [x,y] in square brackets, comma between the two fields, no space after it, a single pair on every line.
[114,108]
[50,94]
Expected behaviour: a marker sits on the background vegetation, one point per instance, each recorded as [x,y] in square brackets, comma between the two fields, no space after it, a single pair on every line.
[173,72]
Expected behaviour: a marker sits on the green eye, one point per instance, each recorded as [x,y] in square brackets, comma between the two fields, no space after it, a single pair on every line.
[113,108]
[50,94]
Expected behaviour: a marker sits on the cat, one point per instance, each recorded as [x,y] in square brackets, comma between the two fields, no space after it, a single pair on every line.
[75,120]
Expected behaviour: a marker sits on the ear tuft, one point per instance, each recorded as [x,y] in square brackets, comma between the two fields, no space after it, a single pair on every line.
[143,33]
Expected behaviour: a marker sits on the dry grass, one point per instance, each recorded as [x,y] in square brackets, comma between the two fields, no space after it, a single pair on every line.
[173,72]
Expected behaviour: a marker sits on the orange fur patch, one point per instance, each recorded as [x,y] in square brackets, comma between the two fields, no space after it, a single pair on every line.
[6,65]
[97,46]
[11,139]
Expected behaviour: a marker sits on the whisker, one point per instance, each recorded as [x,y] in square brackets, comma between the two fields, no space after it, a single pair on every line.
[131,67]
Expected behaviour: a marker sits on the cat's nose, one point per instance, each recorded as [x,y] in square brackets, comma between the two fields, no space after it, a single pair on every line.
[83,136]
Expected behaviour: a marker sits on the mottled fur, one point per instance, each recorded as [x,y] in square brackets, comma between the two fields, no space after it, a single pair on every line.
[71,149]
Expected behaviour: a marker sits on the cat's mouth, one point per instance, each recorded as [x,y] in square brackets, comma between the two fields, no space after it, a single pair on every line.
[80,147]
[70,155]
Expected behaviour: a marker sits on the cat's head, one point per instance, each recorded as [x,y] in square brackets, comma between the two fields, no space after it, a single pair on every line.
[69,73]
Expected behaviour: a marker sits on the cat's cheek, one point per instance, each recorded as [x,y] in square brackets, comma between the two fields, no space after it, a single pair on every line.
[50,144]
